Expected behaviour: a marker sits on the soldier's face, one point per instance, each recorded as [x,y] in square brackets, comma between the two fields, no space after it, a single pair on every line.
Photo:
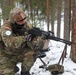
[21,20]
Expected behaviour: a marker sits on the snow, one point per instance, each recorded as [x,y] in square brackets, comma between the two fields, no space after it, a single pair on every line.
[52,57]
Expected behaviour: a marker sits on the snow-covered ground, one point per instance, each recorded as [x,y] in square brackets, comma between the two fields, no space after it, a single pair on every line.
[52,57]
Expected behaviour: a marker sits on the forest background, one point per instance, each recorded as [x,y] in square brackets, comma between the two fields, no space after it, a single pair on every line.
[45,12]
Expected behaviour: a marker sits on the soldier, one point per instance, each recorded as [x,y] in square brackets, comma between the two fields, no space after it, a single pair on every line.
[16,46]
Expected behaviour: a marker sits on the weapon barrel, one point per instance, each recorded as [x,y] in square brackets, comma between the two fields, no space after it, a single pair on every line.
[59,39]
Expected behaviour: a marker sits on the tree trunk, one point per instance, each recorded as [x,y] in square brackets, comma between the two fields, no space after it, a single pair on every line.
[59,17]
[28,8]
[73,49]
[66,20]
[47,12]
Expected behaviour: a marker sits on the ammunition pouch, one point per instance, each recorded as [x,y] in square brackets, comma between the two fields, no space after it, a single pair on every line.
[56,69]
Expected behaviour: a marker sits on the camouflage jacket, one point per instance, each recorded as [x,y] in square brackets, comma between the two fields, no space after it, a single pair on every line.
[12,42]
[16,44]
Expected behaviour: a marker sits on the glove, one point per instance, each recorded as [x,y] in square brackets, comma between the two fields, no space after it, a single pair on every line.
[29,37]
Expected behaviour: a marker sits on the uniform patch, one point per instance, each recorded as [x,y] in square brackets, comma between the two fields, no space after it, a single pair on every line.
[8,32]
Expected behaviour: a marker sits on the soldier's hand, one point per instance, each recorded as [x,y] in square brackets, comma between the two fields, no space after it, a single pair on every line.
[29,37]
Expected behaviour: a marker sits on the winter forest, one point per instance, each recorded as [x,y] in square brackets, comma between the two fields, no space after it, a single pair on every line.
[58,16]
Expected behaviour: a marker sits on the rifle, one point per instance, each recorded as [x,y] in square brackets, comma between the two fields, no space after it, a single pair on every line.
[47,35]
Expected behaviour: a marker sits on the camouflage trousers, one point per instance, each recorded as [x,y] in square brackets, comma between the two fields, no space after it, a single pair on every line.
[8,62]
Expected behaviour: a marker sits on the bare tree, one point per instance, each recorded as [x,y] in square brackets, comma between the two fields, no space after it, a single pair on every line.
[0,15]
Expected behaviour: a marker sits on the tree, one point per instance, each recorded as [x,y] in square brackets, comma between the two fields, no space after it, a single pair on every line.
[47,12]
[73,48]
[53,11]
[66,20]
[6,7]
[0,15]
[59,17]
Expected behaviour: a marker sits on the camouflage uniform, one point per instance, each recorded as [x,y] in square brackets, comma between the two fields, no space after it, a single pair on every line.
[16,49]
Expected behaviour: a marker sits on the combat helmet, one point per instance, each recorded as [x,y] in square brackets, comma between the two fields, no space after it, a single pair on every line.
[16,15]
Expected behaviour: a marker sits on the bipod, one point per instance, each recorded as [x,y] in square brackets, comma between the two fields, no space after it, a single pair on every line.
[40,54]
[44,64]
[56,69]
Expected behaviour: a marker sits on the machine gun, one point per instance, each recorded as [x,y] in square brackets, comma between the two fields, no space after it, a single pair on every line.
[47,35]
[55,68]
